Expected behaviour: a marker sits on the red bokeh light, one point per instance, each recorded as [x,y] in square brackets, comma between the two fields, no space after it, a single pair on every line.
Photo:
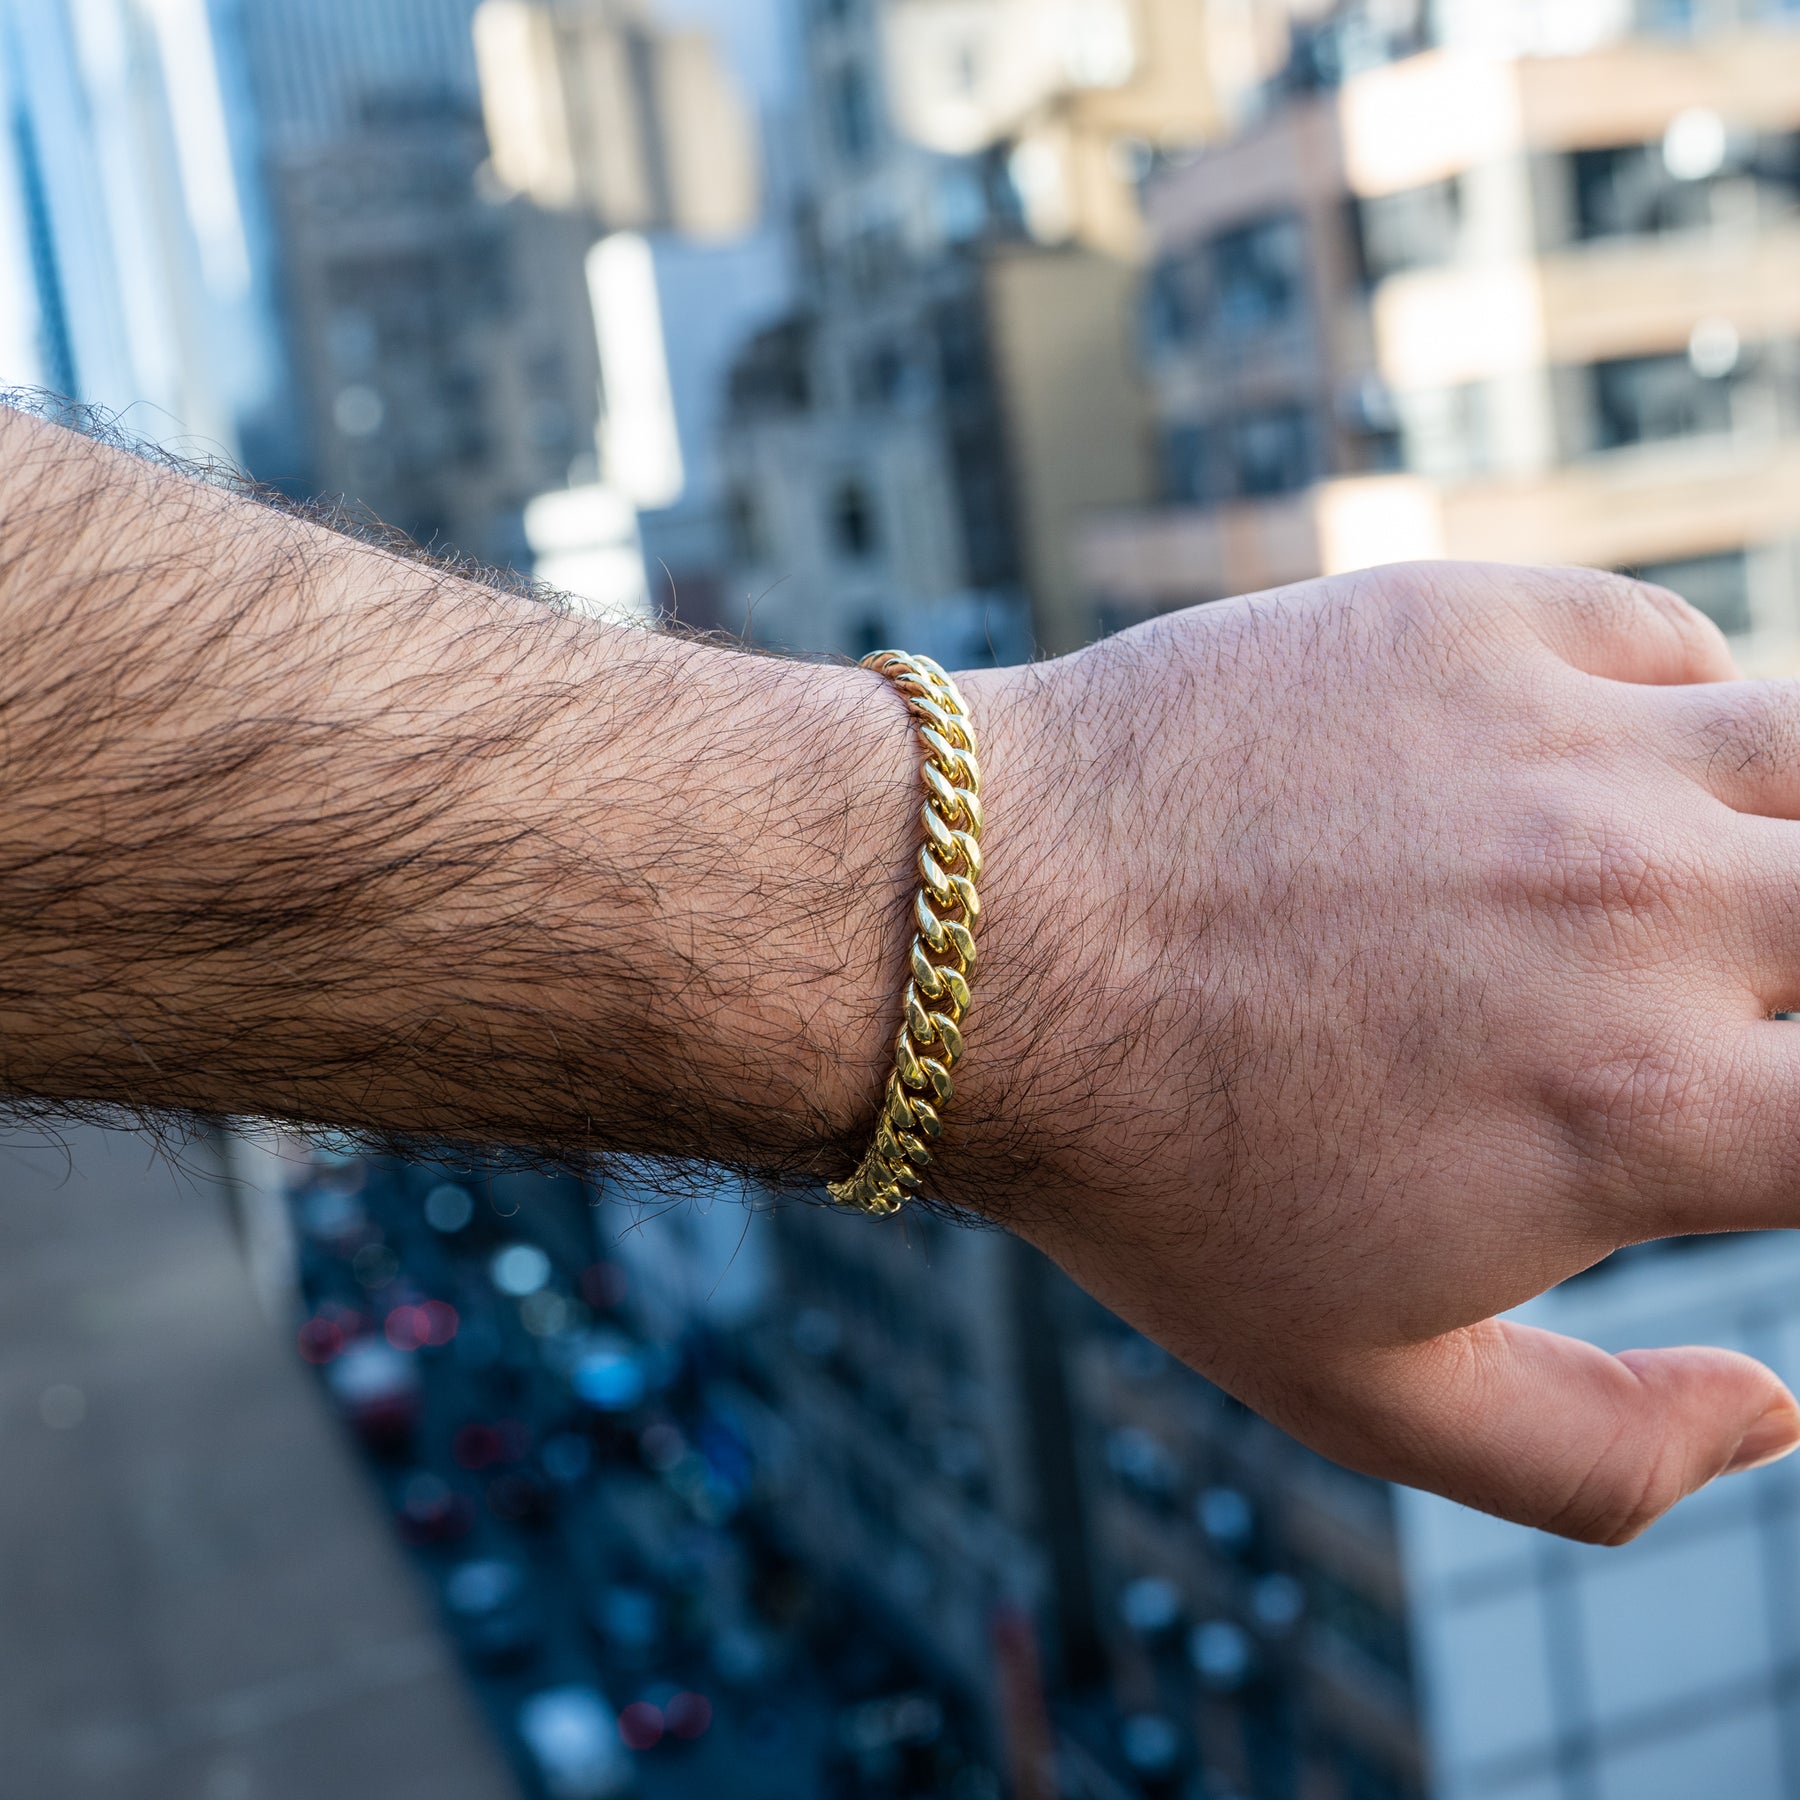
[482,1446]
[321,1340]
[688,1715]
[641,1726]
[431,1324]
[440,1322]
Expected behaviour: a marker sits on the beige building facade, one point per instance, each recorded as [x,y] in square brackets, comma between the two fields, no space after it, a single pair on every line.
[1480,305]
[911,456]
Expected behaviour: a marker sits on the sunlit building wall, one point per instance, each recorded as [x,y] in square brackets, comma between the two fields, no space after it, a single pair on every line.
[894,466]
[1662,1671]
[1476,304]
[663,128]
[438,331]
[321,66]
[127,267]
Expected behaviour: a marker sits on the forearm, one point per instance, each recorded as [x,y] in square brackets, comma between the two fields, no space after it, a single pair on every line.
[295,826]
[1356,961]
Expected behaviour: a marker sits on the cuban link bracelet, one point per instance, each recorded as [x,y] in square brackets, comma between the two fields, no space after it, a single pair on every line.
[945,909]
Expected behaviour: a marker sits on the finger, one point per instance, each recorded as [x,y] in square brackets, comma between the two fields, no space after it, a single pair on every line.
[1687,1128]
[1738,1166]
[1739,740]
[1624,630]
[1548,1431]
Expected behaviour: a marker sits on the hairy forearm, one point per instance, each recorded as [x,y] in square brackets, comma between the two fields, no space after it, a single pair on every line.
[1356,960]
[295,826]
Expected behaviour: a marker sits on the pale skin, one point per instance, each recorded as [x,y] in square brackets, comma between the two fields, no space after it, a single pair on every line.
[1358,960]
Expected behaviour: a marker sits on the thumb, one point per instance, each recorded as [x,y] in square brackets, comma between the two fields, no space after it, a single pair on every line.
[1552,1432]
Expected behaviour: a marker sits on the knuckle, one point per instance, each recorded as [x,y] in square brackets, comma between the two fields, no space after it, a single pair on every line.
[1611,875]
[1750,730]
[1647,1115]
[1618,603]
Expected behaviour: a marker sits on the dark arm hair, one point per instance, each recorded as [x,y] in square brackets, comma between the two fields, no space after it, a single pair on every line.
[302,821]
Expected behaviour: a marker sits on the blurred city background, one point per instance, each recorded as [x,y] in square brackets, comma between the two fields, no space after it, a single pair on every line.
[983,327]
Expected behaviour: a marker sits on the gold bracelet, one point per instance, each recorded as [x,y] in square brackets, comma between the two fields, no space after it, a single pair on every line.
[945,909]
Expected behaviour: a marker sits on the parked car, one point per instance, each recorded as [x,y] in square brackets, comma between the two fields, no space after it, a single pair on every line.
[628,1620]
[571,1735]
[495,1617]
[377,1389]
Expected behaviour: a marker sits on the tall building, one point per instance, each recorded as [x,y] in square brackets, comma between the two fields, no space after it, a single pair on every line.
[660,127]
[441,338]
[1251,1598]
[1660,1671]
[126,276]
[922,1441]
[1512,284]
[438,331]
[911,455]
[910,451]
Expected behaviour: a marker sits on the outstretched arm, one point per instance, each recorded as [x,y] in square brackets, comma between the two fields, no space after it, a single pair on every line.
[292,825]
[1357,961]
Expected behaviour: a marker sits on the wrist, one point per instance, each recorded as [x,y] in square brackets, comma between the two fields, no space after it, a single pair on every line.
[1015,1124]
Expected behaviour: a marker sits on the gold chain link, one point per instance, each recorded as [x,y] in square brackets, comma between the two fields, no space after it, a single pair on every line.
[945,909]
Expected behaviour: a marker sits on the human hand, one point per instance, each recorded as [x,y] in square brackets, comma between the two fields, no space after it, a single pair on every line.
[1362,959]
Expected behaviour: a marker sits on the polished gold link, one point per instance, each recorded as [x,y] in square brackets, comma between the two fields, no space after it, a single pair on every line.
[943,683]
[906,1062]
[946,840]
[957,763]
[944,791]
[925,1117]
[931,928]
[924,707]
[920,1024]
[936,878]
[887,1141]
[930,980]
[942,957]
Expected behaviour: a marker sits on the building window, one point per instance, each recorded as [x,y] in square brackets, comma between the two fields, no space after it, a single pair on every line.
[1258,275]
[1187,465]
[884,376]
[1170,305]
[852,109]
[1449,434]
[749,541]
[1274,452]
[1719,585]
[1250,456]
[1418,229]
[1684,180]
[853,533]
[1629,192]
[1652,399]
